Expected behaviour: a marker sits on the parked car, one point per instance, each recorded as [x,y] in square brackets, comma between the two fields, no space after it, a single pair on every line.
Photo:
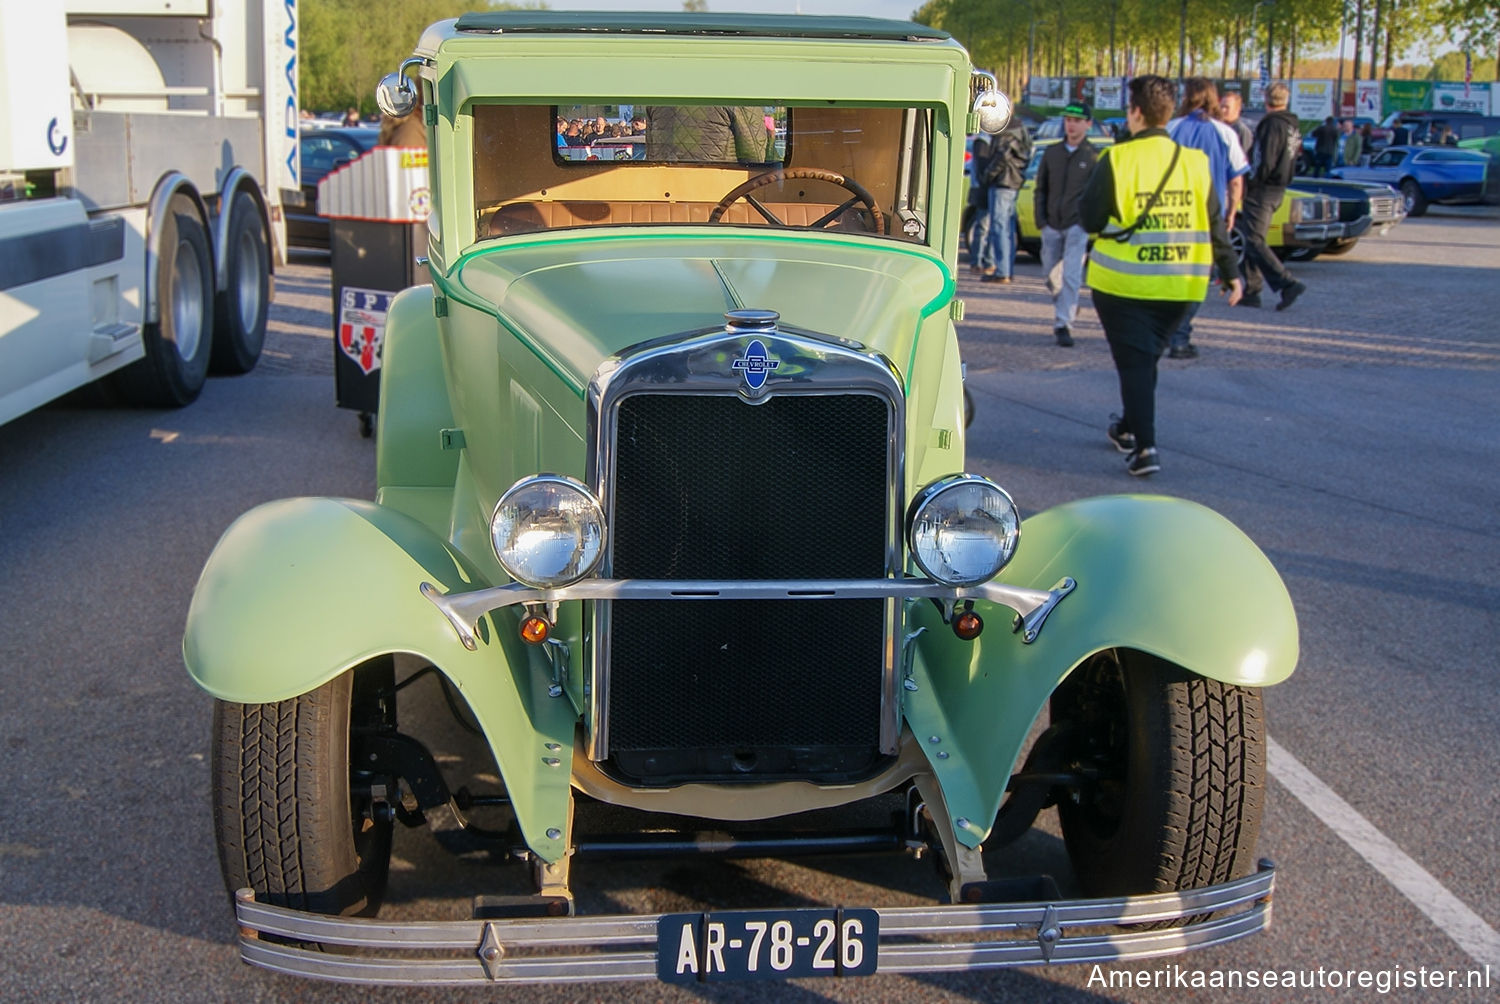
[323,149]
[671,500]
[1425,174]
[1362,209]
[1052,129]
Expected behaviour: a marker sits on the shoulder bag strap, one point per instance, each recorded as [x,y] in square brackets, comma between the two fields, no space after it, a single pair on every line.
[1124,235]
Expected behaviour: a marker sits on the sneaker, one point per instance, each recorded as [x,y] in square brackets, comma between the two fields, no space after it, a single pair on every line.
[1124,441]
[1249,300]
[1183,352]
[1289,294]
[993,276]
[1143,462]
[1063,335]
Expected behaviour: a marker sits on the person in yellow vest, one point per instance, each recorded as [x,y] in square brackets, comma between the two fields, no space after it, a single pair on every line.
[1160,233]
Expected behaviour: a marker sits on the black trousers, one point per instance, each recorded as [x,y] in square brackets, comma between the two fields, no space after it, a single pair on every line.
[1260,261]
[1138,332]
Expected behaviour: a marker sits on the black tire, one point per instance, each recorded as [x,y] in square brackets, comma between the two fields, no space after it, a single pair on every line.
[1416,202]
[179,344]
[1300,254]
[1340,247]
[289,822]
[1181,764]
[1237,242]
[968,408]
[240,311]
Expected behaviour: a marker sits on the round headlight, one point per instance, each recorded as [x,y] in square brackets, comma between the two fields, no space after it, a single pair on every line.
[963,529]
[548,531]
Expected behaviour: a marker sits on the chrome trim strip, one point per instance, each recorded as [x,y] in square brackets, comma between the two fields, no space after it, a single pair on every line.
[463,610]
[694,363]
[624,947]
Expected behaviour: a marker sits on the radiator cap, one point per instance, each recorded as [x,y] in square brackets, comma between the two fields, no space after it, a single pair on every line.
[746,321]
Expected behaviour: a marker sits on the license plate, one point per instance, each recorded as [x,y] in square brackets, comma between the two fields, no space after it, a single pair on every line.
[766,945]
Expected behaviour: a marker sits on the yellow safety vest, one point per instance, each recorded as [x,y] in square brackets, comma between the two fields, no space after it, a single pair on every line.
[1169,256]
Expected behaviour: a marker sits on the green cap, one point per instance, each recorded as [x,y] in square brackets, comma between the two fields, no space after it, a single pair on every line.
[1077,110]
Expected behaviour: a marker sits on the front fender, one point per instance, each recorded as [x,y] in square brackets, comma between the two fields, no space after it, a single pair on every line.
[300,590]
[1161,575]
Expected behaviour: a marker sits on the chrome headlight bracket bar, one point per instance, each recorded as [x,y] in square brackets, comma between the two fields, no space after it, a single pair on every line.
[463,610]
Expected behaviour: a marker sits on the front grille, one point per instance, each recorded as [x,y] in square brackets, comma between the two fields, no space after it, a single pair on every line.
[1385,207]
[711,487]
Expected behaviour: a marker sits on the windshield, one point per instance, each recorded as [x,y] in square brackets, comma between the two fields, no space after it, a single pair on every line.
[845,168]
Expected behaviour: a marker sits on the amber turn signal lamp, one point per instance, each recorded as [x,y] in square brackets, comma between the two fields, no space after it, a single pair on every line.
[968,625]
[534,630]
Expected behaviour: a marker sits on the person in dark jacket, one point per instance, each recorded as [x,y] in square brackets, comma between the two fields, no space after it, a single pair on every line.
[1277,140]
[1005,174]
[1400,134]
[1060,180]
[1325,147]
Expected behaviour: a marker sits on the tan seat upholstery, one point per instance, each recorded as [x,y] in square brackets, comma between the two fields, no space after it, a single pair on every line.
[528,217]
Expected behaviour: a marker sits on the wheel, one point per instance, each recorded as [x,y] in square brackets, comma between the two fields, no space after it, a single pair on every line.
[240,310]
[293,820]
[1178,776]
[1300,254]
[1340,247]
[779,175]
[968,408]
[1237,241]
[179,344]
[1416,202]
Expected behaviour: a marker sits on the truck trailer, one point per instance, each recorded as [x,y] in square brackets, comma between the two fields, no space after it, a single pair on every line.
[144,149]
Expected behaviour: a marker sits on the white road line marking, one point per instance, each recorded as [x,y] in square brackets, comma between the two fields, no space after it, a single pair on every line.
[1416,883]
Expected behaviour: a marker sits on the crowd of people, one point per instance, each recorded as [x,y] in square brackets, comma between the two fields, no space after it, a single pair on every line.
[1159,204]
[588,131]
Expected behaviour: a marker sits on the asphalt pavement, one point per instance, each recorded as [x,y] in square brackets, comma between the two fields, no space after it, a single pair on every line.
[1352,437]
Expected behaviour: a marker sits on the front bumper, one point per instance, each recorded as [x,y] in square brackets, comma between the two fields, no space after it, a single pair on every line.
[1303,234]
[945,938]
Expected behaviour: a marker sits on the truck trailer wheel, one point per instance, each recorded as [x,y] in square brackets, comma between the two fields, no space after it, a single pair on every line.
[240,310]
[178,345]
[1178,776]
[293,821]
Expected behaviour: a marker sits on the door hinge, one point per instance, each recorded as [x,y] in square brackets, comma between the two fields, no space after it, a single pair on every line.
[439,306]
[452,439]
[956,310]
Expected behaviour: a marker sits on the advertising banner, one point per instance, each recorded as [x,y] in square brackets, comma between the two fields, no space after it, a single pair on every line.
[1404,95]
[1109,93]
[1367,99]
[1054,92]
[1450,98]
[1312,100]
[1257,95]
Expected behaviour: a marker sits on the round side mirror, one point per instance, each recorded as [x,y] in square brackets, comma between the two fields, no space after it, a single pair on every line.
[395,95]
[993,109]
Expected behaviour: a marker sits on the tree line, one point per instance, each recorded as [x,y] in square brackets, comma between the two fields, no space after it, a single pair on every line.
[1217,38]
[348,45]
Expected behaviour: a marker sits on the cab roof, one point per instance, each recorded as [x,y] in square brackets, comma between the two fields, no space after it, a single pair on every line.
[685,23]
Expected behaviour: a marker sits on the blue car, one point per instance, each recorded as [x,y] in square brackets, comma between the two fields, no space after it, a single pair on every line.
[1425,174]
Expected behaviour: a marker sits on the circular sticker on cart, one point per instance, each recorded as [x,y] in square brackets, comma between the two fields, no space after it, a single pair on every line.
[420,203]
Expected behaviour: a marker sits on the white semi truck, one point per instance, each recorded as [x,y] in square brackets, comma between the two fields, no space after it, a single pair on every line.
[144,149]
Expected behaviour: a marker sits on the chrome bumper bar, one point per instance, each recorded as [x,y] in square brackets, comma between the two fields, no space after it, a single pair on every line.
[463,610]
[950,938]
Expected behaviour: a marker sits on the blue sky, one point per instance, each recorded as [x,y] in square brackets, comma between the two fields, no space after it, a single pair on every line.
[899,9]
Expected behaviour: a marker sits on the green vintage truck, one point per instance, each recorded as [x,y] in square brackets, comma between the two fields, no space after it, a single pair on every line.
[672,495]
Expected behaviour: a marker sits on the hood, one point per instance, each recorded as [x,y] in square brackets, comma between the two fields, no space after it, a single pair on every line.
[577,300]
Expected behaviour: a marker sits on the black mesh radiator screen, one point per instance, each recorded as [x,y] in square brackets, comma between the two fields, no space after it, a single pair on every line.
[709,487]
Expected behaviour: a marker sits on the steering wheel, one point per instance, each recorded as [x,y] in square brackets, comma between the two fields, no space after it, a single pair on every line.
[777,176]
